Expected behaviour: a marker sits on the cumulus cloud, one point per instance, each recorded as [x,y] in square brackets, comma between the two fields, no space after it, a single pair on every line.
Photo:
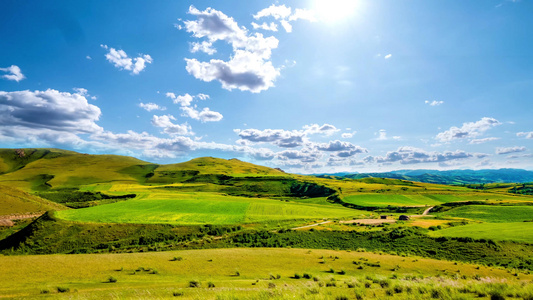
[412,155]
[434,102]
[265,26]
[481,141]
[304,155]
[170,128]
[206,115]
[14,73]
[151,106]
[122,61]
[284,15]
[279,137]
[527,135]
[248,69]
[50,109]
[325,129]
[469,130]
[183,100]
[205,46]
[507,150]
[388,56]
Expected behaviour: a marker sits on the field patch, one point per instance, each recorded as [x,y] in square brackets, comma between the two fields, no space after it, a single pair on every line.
[492,213]
[202,208]
[519,231]
[378,200]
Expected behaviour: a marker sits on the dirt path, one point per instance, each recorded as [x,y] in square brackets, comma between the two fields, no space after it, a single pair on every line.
[307,226]
[426,212]
[7,220]
[368,221]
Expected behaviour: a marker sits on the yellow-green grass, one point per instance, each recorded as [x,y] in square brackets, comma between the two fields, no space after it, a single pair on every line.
[202,208]
[238,272]
[73,170]
[15,201]
[516,231]
[490,213]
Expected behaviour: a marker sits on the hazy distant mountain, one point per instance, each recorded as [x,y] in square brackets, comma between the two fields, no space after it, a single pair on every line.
[449,177]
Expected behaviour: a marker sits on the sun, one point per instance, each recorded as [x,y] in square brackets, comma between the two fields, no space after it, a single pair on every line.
[334,10]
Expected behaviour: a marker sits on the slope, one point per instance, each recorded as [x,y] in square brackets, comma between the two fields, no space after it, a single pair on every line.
[15,201]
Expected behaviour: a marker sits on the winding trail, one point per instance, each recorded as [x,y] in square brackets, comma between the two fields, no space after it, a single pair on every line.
[426,212]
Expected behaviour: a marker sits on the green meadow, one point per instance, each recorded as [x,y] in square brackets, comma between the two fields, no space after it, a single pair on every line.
[517,231]
[203,208]
[492,213]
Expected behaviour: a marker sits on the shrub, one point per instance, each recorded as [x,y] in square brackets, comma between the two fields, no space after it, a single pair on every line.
[331,283]
[331,271]
[62,289]
[307,276]
[341,298]
[177,258]
[368,284]
[297,276]
[210,284]
[194,284]
[45,291]
[177,294]
[271,285]
[341,272]
[313,291]
[111,279]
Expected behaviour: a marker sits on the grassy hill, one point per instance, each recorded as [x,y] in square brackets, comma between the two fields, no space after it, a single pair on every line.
[15,201]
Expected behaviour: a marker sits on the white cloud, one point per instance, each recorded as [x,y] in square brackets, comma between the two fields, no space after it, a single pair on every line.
[170,128]
[434,102]
[279,137]
[481,141]
[151,106]
[248,69]
[411,155]
[304,155]
[343,149]
[183,100]
[508,150]
[388,56]
[348,135]
[14,73]
[265,26]
[284,15]
[204,46]
[88,57]
[527,135]
[469,130]
[325,129]
[120,60]
[50,109]
[206,115]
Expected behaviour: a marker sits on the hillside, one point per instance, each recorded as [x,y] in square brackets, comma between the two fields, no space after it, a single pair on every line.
[15,201]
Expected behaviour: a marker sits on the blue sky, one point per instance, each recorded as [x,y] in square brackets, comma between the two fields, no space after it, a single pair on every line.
[308,86]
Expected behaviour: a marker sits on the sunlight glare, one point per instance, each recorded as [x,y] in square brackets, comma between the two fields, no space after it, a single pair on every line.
[334,10]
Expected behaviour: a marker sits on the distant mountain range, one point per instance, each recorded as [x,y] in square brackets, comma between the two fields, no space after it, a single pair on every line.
[447,177]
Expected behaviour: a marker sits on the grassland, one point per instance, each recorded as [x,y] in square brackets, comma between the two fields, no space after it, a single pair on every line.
[203,208]
[254,274]
[492,213]
[518,231]
[15,201]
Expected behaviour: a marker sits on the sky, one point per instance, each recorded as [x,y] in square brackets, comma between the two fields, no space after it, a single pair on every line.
[310,86]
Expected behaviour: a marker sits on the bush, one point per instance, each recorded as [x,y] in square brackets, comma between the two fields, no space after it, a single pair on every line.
[45,291]
[271,285]
[177,258]
[210,284]
[307,276]
[62,289]
[177,294]
[341,298]
[297,276]
[194,284]
[111,279]
[341,272]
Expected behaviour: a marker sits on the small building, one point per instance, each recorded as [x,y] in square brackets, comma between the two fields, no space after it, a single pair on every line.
[404,218]
[383,217]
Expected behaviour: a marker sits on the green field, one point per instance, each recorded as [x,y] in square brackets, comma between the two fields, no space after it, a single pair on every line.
[377,200]
[203,208]
[251,274]
[490,213]
[518,231]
